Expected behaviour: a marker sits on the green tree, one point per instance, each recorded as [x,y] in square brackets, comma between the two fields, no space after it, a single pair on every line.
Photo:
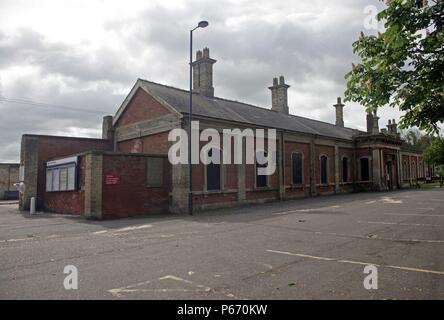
[417,138]
[403,66]
[434,153]
[440,173]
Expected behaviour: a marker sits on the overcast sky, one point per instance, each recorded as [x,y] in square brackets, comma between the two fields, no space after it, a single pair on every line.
[88,54]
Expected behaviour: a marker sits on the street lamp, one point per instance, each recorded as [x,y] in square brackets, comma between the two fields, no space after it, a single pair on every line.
[201,24]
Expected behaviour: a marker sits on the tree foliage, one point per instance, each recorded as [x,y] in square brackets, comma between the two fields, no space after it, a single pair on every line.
[403,66]
[434,153]
[416,138]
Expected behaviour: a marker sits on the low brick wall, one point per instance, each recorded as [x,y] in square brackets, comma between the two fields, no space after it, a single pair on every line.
[68,202]
[113,185]
[130,195]
[9,174]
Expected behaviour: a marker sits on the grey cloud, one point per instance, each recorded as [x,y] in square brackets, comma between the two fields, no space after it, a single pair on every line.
[311,49]
[28,47]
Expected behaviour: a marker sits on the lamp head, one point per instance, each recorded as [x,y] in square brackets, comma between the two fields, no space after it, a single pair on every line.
[203,24]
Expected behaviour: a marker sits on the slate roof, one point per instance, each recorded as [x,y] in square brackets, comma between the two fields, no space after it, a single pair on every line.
[230,110]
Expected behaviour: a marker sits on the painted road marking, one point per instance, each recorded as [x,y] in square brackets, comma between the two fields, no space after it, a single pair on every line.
[414,214]
[307,210]
[390,200]
[126,229]
[441,273]
[16,240]
[402,224]
[118,292]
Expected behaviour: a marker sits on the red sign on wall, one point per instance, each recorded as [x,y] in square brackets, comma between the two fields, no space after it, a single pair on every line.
[111,179]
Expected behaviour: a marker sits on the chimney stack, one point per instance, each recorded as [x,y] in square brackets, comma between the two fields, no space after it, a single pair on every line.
[203,73]
[369,122]
[392,127]
[375,128]
[279,99]
[107,128]
[339,113]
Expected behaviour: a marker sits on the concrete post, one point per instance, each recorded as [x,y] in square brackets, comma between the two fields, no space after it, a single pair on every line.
[32,206]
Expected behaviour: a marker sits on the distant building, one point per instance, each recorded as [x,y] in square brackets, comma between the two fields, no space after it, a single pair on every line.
[9,174]
[127,171]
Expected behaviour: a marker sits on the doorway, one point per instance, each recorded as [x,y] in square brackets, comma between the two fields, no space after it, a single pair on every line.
[389,176]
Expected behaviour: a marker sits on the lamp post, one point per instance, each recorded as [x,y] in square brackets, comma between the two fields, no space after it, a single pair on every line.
[201,24]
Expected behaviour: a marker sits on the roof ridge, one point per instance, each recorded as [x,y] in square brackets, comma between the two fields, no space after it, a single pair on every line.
[250,105]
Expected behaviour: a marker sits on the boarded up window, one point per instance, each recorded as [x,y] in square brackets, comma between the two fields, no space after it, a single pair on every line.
[324,170]
[213,172]
[296,159]
[261,179]
[344,169]
[365,170]
[154,172]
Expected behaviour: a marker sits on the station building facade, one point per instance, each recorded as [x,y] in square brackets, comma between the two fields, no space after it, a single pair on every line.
[127,172]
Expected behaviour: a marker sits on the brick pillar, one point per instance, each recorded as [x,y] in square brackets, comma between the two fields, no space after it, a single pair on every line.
[93,185]
[399,169]
[241,189]
[376,169]
[337,169]
[280,166]
[312,169]
[179,202]
[29,160]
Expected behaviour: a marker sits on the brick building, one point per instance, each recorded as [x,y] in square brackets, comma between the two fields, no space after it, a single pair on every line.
[127,172]
[9,174]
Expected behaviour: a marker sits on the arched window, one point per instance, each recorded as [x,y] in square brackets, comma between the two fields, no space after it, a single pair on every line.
[261,179]
[406,171]
[296,163]
[213,172]
[324,170]
[365,170]
[344,169]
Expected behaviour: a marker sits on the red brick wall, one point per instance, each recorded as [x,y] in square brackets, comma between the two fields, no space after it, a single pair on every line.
[68,202]
[131,197]
[304,148]
[141,107]
[329,151]
[346,187]
[51,147]
[152,144]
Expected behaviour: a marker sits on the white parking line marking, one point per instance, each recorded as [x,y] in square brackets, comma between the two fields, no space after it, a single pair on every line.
[374,237]
[402,224]
[441,273]
[414,214]
[131,228]
[307,210]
